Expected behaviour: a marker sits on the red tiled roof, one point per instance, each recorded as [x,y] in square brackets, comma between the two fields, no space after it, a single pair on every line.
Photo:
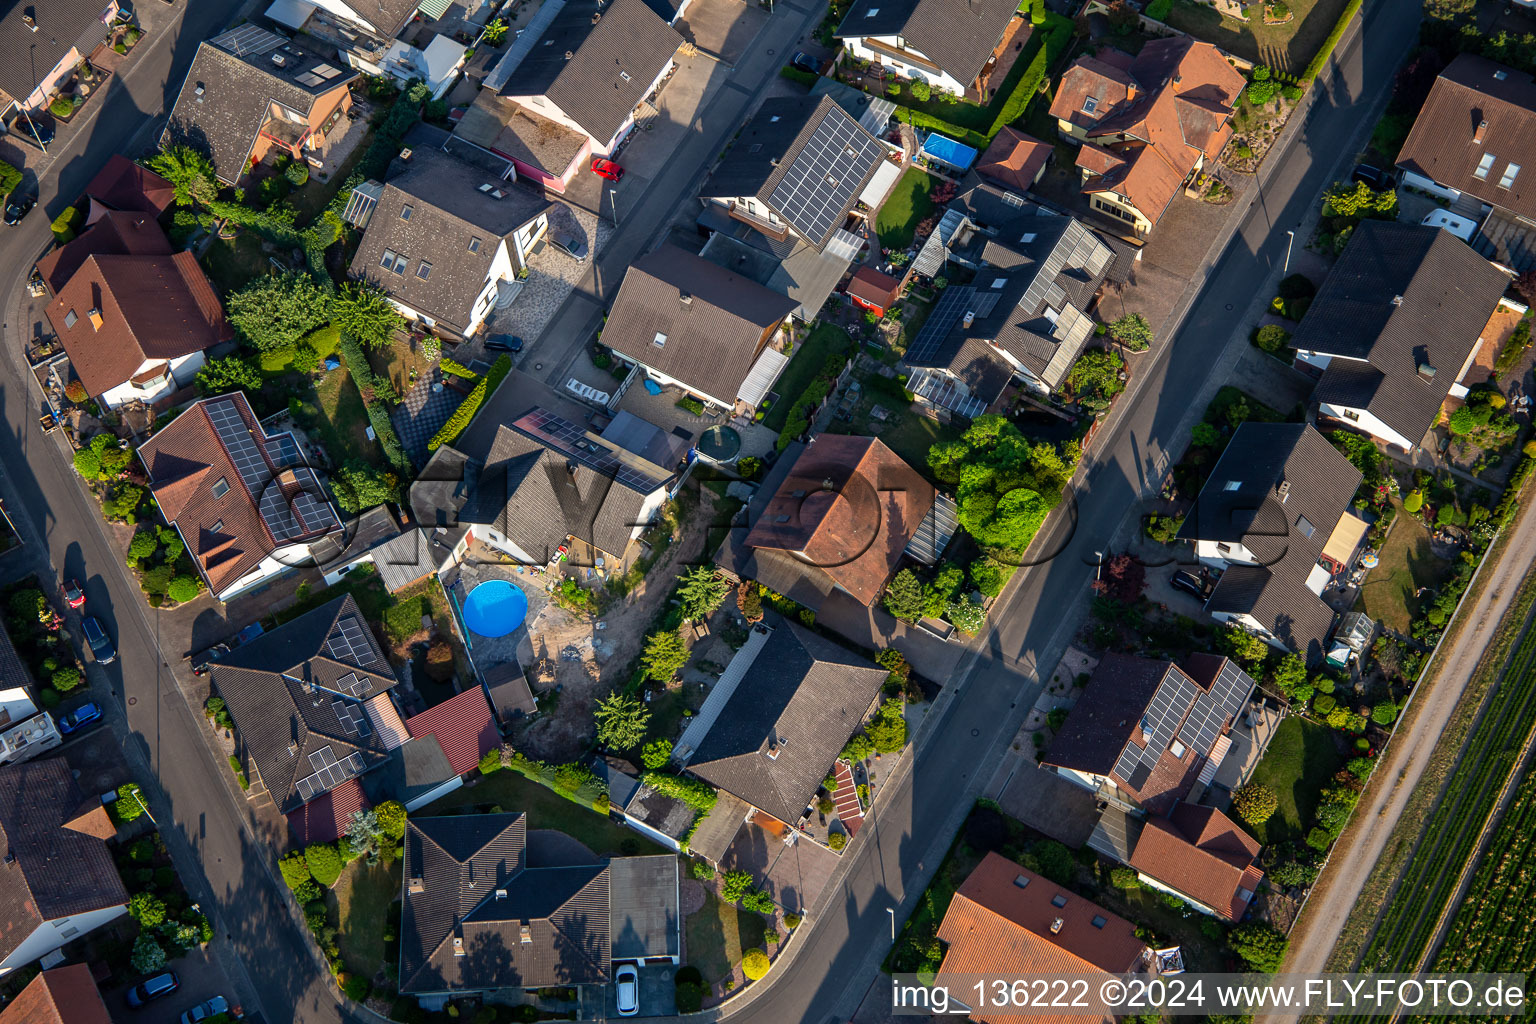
[64,995]
[463,726]
[124,185]
[115,234]
[996,926]
[1203,854]
[325,818]
[875,288]
[1014,159]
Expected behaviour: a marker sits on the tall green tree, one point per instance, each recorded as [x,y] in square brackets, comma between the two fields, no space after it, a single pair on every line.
[904,596]
[359,486]
[232,373]
[274,312]
[363,311]
[1133,331]
[701,591]
[621,721]
[665,653]
[189,172]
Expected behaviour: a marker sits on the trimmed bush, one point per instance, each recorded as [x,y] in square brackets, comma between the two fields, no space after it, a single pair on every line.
[10,177]
[324,863]
[457,369]
[470,406]
[1315,66]
[794,74]
[67,224]
[295,870]
[754,964]
[693,792]
[183,589]
[491,762]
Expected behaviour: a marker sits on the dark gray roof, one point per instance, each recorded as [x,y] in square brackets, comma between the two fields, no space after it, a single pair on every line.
[507,687]
[61,24]
[415,768]
[1108,714]
[359,535]
[643,907]
[298,691]
[12,671]
[546,478]
[448,212]
[50,870]
[709,340]
[957,35]
[792,268]
[804,693]
[240,81]
[595,69]
[388,16]
[805,158]
[1400,296]
[467,878]
[1242,503]
[777,570]
[618,779]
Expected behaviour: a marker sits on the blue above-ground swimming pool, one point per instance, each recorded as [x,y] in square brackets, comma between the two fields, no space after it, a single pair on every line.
[949,152]
[495,608]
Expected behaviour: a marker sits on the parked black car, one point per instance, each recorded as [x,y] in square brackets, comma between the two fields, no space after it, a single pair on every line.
[805,62]
[101,644]
[33,129]
[17,208]
[1375,177]
[504,343]
[153,988]
[1195,584]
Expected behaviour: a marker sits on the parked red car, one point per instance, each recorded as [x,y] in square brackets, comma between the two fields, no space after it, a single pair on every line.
[605,168]
[74,596]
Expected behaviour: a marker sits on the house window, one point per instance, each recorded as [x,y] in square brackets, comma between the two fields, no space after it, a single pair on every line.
[660,341]
[871,12]
[69,932]
[1510,170]
[405,212]
[1090,104]
[1350,415]
[1176,748]
[387,261]
[221,487]
[1114,211]
[1058,900]
[1484,166]
[399,267]
[1022,881]
[1099,920]
[474,245]
[999,282]
[70,318]
[217,527]
[624,75]
[424,270]
[1231,485]
[1223,548]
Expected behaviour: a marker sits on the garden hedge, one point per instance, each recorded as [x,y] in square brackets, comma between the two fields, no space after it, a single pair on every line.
[1057,33]
[1315,66]
[457,369]
[462,416]
[67,224]
[10,177]
[796,75]
[378,416]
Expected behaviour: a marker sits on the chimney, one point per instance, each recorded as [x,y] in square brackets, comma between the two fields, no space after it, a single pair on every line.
[1482,129]
[1056,925]
[458,945]
[773,750]
[570,467]
[200,89]
[524,932]
[29,21]
[405,155]
[686,298]
[95,316]
[501,894]
[1397,300]
[596,16]
[970,318]
[1427,372]
[416,885]
[569,54]
[1284,490]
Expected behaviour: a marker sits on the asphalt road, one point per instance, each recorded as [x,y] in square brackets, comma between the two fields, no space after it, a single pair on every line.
[828,971]
[203,820]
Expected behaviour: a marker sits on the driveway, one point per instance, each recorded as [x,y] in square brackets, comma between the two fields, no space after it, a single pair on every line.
[723,29]
[201,979]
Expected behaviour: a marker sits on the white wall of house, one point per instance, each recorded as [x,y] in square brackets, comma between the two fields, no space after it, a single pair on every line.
[1253,626]
[653,502]
[434,794]
[489,536]
[1367,421]
[652,834]
[1154,883]
[282,560]
[665,380]
[50,935]
[942,81]
[185,368]
[1085,779]
[1413,180]
[749,205]
[1218,554]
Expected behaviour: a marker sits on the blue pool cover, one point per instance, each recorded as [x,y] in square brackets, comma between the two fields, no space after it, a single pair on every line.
[495,608]
[947,151]
[651,387]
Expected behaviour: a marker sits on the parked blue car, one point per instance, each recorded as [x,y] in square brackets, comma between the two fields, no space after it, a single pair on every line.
[80,717]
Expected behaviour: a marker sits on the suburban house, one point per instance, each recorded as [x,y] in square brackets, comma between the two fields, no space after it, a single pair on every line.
[363,33]
[797,170]
[1023,317]
[803,274]
[772,727]
[1274,516]
[64,995]
[1202,856]
[44,44]
[59,879]
[952,45]
[1475,132]
[837,516]
[1015,161]
[445,237]
[1144,732]
[1146,124]
[251,94]
[686,322]
[548,482]
[570,87]
[25,730]
[245,504]
[128,187]
[1008,921]
[463,727]
[482,910]
[311,705]
[1396,327]
[869,289]
[135,318]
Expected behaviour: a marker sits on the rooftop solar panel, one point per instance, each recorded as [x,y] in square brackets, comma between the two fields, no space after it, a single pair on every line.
[251,460]
[561,435]
[821,182]
[952,305]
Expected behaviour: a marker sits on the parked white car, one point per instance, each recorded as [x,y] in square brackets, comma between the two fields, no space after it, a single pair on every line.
[586,391]
[626,982]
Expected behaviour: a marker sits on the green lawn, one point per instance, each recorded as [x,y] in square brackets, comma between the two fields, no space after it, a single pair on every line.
[338,419]
[1406,564]
[1287,47]
[363,896]
[1300,761]
[904,209]
[548,810]
[914,435]
[232,263]
[718,933]
[806,362]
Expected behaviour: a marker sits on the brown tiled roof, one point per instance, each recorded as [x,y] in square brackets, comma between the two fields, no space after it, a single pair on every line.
[64,995]
[1108,86]
[959,36]
[326,817]
[226,533]
[150,307]
[1203,854]
[125,185]
[1014,159]
[1470,91]
[850,505]
[49,871]
[115,234]
[997,926]
[874,287]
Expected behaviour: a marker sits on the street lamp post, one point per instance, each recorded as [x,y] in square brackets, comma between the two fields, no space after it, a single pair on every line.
[1289,241]
[139,799]
[613,197]
[892,912]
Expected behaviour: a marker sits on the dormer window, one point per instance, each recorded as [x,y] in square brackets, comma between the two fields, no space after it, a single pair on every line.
[424,270]
[70,319]
[1090,104]
[221,487]
[474,245]
[1508,180]
[405,212]
[1484,166]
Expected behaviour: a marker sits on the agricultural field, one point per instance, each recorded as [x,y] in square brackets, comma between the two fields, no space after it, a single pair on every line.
[1402,941]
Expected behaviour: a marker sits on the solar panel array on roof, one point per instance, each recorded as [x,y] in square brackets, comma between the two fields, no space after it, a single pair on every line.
[825,175]
[352,717]
[277,511]
[328,772]
[1164,712]
[945,392]
[248,39]
[561,435]
[349,643]
[1215,709]
[952,305]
